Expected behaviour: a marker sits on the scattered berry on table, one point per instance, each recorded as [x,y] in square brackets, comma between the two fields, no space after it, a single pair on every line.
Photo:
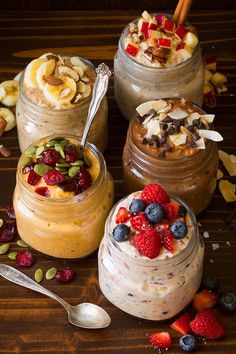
[148,243]
[205,299]
[121,233]
[182,324]
[10,211]
[228,301]
[136,206]
[6,235]
[154,213]
[188,343]
[65,275]
[179,229]
[161,340]
[207,324]
[25,259]
[210,282]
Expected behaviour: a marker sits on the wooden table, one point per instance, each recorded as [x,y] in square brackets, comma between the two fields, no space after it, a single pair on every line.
[32,323]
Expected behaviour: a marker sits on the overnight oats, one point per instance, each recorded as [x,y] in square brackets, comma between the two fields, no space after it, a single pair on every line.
[151,257]
[54,96]
[62,197]
[157,59]
[172,142]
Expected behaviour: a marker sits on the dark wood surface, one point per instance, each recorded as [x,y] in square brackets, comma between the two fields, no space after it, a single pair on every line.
[32,323]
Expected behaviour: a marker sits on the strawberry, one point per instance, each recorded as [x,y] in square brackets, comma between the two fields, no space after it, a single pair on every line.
[182,324]
[154,193]
[168,241]
[162,227]
[161,340]
[148,243]
[207,324]
[171,210]
[139,222]
[204,300]
[122,215]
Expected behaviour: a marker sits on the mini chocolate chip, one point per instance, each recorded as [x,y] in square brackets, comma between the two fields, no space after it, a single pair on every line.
[196,137]
[176,122]
[201,126]
[155,137]
[164,312]
[167,119]
[152,112]
[156,143]
[144,141]
[165,126]
[171,130]
[196,122]
[191,128]
[167,148]
[151,142]
[129,294]
[139,119]
[164,134]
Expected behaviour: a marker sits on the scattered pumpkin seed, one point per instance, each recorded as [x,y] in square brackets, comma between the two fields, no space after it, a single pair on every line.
[39,150]
[87,161]
[12,255]
[38,275]
[62,164]
[25,160]
[59,149]
[50,274]
[41,169]
[64,143]
[51,143]
[4,248]
[31,150]
[21,243]
[77,163]
[1,223]
[73,171]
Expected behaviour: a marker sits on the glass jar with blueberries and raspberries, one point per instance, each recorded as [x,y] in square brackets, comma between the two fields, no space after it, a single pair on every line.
[62,197]
[151,257]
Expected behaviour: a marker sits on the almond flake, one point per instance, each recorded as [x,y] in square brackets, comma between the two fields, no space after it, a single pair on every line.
[208,117]
[206,234]
[192,117]
[178,139]
[53,80]
[200,144]
[228,164]
[228,243]
[215,246]
[178,113]
[65,92]
[210,134]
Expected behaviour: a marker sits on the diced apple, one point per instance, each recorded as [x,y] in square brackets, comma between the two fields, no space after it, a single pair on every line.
[221,88]
[180,32]
[185,53]
[146,15]
[207,75]
[211,63]
[161,19]
[180,46]
[164,42]
[191,39]
[155,34]
[152,24]
[145,30]
[132,49]
[169,26]
[218,79]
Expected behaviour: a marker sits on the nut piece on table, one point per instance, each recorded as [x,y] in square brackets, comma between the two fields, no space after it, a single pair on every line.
[4,151]
[3,125]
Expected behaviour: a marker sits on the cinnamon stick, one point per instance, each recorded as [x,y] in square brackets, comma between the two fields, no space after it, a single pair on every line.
[184,12]
[178,10]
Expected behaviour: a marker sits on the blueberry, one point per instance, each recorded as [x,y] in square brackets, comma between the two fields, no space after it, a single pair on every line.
[154,213]
[136,206]
[228,301]
[121,233]
[210,282]
[188,343]
[179,229]
[182,211]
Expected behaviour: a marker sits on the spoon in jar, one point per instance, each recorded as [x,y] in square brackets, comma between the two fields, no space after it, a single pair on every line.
[99,91]
[85,315]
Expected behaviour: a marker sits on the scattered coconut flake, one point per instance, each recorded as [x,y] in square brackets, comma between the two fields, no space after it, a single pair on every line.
[178,113]
[206,234]
[200,144]
[219,174]
[211,260]
[227,189]
[178,139]
[228,243]
[210,134]
[192,117]
[228,164]
[215,246]
[153,128]
[208,117]
[232,158]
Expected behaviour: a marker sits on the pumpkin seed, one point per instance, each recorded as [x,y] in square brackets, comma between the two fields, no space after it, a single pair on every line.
[73,171]
[4,248]
[21,243]
[57,138]
[77,163]
[25,160]
[59,149]
[41,169]
[12,255]
[39,150]
[31,150]
[1,223]
[50,274]
[87,161]
[38,275]
[61,169]
[62,164]
[80,152]
[51,143]
[64,143]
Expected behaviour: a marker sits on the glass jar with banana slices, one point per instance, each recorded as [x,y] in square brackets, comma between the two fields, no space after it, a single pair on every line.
[54,96]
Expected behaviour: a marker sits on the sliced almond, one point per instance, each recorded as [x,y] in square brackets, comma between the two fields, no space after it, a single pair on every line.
[210,134]
[53,80]
[3,124]
[65,70]
[178,113]
[65,92]
[232,158]
[79,70]
[178,139]
[200,144]
[219,174]
[227,190]
[228,164]
[87,92]
[78,62]
[208,117]
[9,117]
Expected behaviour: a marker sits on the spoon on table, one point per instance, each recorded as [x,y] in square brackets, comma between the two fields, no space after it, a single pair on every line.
[85,315]
[99,91]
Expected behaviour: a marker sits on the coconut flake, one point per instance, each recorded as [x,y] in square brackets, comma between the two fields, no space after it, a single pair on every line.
[200,144]
[145,107]
[153,128]
[178,113]
[210,134]
[178,139]
[192,117]
[208,117]
[215,246]
[206,234]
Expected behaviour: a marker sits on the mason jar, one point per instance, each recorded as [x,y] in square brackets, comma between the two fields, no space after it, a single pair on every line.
[35,122]
[192,178]
[135,83]
[66,227]
[150,289]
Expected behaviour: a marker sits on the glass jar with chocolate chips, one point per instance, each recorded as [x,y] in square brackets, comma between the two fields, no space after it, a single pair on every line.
[172,142]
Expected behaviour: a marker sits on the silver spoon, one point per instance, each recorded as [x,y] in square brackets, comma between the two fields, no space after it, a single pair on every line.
[99,91]
[85,315]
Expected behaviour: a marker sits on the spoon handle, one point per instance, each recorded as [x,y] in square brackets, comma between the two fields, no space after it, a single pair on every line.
[17,277]
[99,91]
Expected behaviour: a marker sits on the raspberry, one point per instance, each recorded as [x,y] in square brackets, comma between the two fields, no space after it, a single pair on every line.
[168,241]
[25,259]
[139,222]
[33,178]
[50,157]
[10,211]
[53,177]
[84,179]
[12,227]
[122,215]
[70,185]
[65,275]
[71,153]
[207,324]
[6,235]
[42,191]
[28,168]
[153,193]
[148,243]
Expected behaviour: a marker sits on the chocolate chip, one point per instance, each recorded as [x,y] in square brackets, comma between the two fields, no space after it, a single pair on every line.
[151,142]
[139,119]
[155,137]
[167,119]
[191,128]
[195,137]
[129,294]
[171,130]
[156,143]
[152,112]
[201,126]
[176,122]
[196,122]
[167,148]
[144,141]
[164,134]
[192,144]
[165,126]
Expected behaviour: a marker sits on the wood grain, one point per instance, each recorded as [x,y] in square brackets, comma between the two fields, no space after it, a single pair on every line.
[31,323]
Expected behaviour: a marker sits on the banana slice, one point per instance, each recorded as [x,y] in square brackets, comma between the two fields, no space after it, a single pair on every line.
[31,71]
[78,62]
[11,89]
[44,70]
[81,86]
[79,70]
[87,92]
[2,92]
[9,117]
[61,94]
[65,70]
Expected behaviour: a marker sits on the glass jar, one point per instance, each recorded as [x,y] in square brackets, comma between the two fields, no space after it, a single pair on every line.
[135,83]
[150,289]
[68,227]
[192,178]
[35,122]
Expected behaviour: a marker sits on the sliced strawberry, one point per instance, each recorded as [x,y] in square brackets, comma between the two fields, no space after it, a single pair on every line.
[139,222]
[182,324]
[122,215]
[204,300]
[148,243]
[207,324]
[161,340]
[171,210]
[168,241]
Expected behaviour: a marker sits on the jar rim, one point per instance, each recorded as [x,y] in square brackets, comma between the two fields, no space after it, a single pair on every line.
[153,68]
[157,262]
[37,107]
[76,198]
